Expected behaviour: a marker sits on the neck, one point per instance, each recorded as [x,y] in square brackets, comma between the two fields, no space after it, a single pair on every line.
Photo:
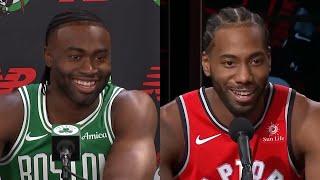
[62,110]
[225,116]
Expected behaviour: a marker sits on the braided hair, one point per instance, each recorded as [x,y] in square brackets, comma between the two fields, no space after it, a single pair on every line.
[232,17]
[63,18]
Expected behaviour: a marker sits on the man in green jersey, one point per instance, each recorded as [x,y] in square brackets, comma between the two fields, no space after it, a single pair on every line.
[117,126]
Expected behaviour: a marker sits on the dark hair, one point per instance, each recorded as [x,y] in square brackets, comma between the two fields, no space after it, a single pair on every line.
[63,18]
[232,16]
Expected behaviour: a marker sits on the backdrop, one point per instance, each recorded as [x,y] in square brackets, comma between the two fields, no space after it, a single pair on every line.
[135,33]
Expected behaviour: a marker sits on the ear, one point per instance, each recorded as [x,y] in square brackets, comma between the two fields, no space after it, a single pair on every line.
[48,57]
[205,63]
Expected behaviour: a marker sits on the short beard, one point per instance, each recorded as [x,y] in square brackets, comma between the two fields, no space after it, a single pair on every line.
[241,111]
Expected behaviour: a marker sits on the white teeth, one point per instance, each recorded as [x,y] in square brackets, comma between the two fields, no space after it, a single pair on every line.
[85,83]
[242,92]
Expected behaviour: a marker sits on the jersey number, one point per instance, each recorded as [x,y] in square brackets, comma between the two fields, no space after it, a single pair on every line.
[225,171]
[48,167]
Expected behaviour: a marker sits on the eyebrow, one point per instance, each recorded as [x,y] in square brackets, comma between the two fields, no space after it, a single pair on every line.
[103,50]
[228,56]
[259,53]
[71,48]
[231,56]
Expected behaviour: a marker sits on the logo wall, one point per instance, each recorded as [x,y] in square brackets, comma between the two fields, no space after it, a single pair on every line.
[72,1]
[157,2]
[16,77]
[9,6]
[152,84]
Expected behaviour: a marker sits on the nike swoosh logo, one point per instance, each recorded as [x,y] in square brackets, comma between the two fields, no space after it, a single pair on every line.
[33,138]
[202,141]
[297,35]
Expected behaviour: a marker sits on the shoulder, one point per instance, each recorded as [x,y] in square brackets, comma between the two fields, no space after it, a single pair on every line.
[170,124]
[305,110]
[134,101]
[10,100]
[169,111]
[170,117]
[134,122]
[170,120]
[172,138]
[134,97]
[305,127]
[133,108]
[11,104]
[11,110]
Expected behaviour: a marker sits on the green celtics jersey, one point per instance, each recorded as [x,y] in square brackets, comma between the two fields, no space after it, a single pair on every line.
[30,157]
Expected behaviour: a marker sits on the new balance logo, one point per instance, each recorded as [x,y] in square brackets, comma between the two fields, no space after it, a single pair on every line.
[152,84]
[97,135]
[34,138]
[16,77]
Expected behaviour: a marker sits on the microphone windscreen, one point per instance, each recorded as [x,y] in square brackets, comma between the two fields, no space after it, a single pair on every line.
[239,126]
[65,137]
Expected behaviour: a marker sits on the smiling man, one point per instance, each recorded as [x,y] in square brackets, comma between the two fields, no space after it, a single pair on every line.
[117,126]
[195,143]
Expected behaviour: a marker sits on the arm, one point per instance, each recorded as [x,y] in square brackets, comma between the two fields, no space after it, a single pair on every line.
[171,140]
[11,116]
[134,121]
[306,134]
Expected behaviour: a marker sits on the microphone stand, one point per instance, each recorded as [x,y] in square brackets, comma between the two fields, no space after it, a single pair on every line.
[247,172]
[245,158]
[65,155]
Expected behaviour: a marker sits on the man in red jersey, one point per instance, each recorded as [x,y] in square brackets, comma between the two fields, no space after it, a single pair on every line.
[195,143]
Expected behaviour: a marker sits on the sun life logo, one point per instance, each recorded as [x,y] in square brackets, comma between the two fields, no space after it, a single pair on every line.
[274,134]
[273,129]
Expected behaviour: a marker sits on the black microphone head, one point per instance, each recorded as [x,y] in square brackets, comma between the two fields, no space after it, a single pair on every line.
[239,126]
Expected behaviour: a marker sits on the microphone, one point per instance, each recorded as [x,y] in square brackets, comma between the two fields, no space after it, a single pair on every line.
[241,131]
[65,146]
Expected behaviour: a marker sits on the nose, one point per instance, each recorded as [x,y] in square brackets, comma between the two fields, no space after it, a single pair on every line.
[244,74]
[88,66]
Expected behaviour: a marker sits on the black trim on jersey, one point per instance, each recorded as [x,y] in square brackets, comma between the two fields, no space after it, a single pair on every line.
[6,149]
[210,109]
[289,136]
[267,104]
[180,165]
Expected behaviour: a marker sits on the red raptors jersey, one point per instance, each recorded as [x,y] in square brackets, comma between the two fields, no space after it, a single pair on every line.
[211,154]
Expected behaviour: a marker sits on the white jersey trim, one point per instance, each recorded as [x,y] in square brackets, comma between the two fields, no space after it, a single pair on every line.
[44,115]
[40,107]
[92,116]
[107,114]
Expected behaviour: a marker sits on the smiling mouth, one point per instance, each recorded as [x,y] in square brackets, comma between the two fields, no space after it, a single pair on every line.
[85,86]
[243,95]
